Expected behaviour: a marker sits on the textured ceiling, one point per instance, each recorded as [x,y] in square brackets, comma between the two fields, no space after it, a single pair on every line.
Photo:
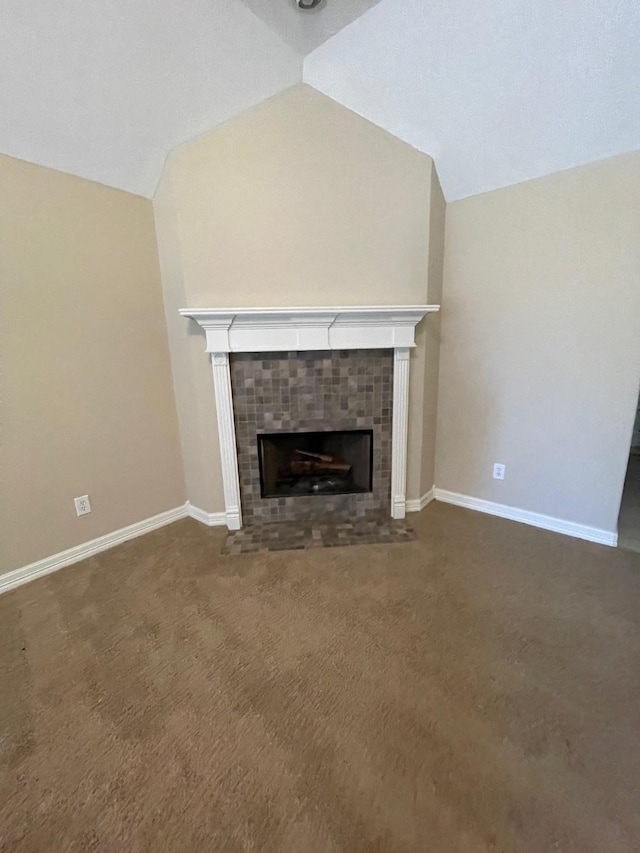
[497,91]
[306,30]
[105,88]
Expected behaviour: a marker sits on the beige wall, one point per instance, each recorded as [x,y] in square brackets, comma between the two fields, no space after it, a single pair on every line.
[432,335]
[87,399]
[192,377]
[297,202]
[425,361]
[540,358]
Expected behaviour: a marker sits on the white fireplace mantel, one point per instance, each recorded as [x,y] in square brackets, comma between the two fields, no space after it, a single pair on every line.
[299,329]
[286,329]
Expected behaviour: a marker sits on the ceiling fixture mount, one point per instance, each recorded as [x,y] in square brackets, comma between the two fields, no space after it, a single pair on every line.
[305,5]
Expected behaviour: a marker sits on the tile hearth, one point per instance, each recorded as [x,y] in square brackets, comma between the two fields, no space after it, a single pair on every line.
[320,533]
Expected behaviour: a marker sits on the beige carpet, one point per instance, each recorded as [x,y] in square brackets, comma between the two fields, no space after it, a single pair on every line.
[476,690]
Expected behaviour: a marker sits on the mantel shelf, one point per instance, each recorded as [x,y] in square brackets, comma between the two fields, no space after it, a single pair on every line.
[313,328]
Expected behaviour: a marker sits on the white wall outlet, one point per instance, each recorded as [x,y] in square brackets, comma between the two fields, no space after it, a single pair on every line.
[498,471]
[82,505]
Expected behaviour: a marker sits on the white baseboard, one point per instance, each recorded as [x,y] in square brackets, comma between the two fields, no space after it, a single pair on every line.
[10,580]
[211,519]
[535,519]
[421,503]
[17,577]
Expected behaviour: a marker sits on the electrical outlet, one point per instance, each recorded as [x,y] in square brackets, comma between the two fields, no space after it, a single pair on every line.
[82,505]
[498,471]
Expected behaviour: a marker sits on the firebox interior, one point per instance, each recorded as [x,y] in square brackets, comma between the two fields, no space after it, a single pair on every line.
[315,463]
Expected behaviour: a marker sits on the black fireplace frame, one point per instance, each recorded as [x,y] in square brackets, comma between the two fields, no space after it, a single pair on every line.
[266,435]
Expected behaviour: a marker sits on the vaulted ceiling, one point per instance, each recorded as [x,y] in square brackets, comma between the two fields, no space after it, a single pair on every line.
[105,88]
[497,91]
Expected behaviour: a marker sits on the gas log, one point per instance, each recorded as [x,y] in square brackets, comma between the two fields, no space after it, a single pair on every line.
[307,464]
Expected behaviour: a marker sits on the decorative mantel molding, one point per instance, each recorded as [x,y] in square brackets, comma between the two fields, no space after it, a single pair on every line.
[288,329]
[300,329]
[400,432]
[227,434]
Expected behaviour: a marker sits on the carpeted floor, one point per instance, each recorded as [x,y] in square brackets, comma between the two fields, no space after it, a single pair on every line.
[475,690]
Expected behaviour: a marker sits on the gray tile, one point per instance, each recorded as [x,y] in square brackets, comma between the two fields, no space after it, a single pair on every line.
[285,392]
[290,535]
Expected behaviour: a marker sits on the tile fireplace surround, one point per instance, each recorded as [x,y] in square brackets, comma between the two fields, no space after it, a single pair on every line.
[312,392]
[310,369]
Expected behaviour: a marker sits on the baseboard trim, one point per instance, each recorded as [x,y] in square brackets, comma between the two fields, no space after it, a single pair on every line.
[211,519]
[535,519]
[421,503]
[17,577]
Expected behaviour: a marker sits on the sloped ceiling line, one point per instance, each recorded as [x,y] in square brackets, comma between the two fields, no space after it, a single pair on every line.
[105,90]
[496,91]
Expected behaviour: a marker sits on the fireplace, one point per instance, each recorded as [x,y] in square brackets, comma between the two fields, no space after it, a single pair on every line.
[336,462]
[335,404]
[311,370]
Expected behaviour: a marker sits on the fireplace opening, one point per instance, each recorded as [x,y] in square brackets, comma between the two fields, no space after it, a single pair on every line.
[315,463]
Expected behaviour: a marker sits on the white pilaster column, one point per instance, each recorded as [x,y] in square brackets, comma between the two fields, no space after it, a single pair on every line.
[400,430]
[227,432]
